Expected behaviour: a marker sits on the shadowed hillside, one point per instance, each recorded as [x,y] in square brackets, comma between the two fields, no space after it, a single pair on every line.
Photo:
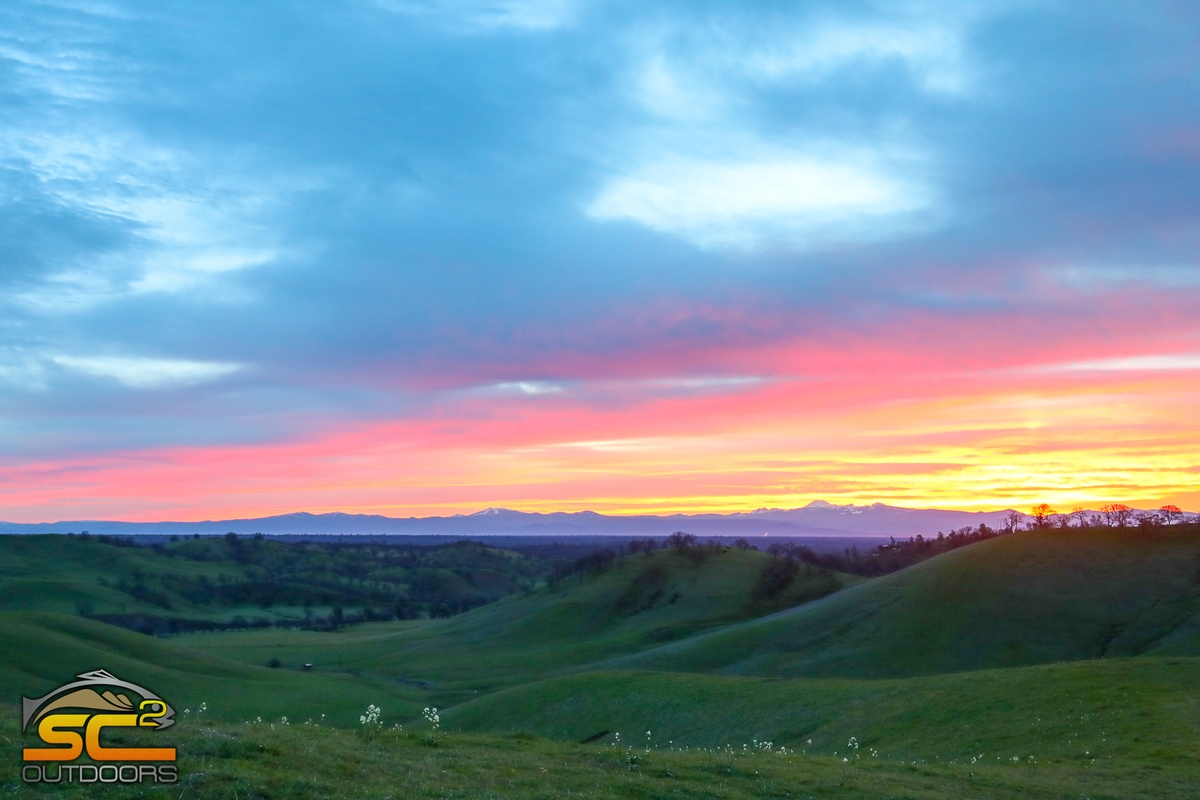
[42,650]
[1029,598]
[197,584]
[629,605]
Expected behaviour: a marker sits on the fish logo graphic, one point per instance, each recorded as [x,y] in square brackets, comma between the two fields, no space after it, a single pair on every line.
[72,717]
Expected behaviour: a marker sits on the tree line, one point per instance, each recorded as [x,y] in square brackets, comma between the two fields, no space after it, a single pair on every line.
[897,554]
[318,585]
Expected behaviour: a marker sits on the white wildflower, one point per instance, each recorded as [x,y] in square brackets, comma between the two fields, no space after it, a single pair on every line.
[370,722]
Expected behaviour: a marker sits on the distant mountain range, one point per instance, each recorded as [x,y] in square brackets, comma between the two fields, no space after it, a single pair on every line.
[818,518]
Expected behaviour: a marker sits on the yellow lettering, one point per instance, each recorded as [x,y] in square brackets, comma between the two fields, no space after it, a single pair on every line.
[98,752]
[50,729]
[149,718]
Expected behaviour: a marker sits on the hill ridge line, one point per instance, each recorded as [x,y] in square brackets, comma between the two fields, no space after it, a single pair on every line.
[824,519]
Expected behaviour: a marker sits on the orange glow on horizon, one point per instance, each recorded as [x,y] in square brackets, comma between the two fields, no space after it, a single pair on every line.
[951,442]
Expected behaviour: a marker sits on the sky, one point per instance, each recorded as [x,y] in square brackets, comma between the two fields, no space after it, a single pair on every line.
[410,257]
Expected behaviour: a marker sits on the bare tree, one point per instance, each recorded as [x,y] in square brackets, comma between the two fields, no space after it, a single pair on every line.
[681,541]
[1012,521]
[1117,515]
[1080,516]
[1147,520]
[1040,513]
[1171,514]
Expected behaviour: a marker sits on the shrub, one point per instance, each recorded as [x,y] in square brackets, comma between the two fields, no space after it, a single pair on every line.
[776,576]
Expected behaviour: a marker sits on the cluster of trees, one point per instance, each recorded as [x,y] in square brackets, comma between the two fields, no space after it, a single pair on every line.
[158,625]
[600,559]
[1111,515]
[350,582]
[788,556]
[776,576]
[895,555]
[385,581]
[681,542]
[115,541]
[899,553]
[883,559]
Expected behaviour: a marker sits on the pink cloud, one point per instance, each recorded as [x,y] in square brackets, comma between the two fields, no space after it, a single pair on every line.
[939,438]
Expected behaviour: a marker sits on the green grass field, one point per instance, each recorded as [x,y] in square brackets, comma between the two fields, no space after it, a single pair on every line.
[297,761]
[42,650]
[57,573]
[635,604]
[1041,664]
[1120,709]
[215,580]
[1031,598]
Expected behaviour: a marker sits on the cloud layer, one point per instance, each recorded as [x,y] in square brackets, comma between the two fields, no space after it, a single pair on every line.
[546,253]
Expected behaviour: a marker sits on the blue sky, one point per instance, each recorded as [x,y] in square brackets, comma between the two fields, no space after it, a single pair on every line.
[229,225]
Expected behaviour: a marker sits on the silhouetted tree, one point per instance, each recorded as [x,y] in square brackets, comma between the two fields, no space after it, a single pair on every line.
[681,541]
[1117,515]
[1041,513]
[776,576]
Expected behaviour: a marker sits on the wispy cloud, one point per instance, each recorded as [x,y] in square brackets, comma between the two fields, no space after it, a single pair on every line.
[484,15]
[528,387]
[721,244]
[931,49]
[797,199]
[710,164]
[147,373]
[1153,363]
[1105,277]
[22,369]
[183,229]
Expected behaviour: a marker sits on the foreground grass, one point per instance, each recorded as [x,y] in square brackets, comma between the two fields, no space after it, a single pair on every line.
[273,760]
[1144,710]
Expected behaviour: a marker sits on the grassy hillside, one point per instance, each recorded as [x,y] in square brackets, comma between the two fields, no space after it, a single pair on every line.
[1145,709]
[1029,598]
[39,651]
[172,585]
[297,762]
[635,603]
[66,574]
[940,675]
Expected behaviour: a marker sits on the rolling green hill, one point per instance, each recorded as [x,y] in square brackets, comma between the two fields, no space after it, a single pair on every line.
[1122,709]
[635,603]
[43,650]
[68,574]
[1029,598]
[192,583]
[1040,664]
